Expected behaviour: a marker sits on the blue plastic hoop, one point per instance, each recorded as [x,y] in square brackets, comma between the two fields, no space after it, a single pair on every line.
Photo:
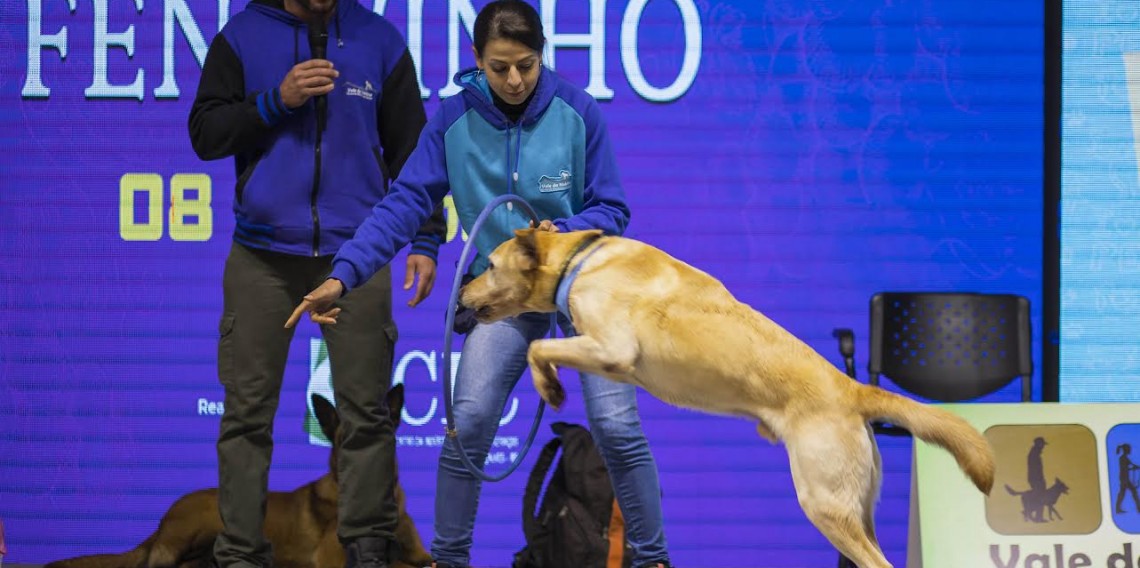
[452,431]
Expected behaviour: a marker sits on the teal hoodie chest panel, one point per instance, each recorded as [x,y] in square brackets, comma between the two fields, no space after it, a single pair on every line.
[551,171]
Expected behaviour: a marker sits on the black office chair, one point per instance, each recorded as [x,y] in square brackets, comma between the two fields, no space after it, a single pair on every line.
[946,347]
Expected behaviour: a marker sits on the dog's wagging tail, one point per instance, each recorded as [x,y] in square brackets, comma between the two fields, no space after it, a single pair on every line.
[936,426]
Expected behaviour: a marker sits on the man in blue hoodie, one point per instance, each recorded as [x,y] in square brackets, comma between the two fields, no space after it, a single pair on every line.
[316,142]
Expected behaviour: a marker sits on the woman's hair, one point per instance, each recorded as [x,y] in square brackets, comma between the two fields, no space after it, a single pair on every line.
[1125,448]
[514,20]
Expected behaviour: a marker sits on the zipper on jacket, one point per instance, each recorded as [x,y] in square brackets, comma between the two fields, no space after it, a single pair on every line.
[313,197]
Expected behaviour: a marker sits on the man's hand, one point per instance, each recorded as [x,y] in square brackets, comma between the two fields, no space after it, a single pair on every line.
[423,266]
[319,304]
[546,225]
[307,79]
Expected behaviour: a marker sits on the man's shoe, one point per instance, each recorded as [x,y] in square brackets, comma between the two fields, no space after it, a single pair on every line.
[367,552]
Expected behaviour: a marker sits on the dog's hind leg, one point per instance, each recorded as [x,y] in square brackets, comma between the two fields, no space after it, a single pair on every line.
[871,496]
[545,356]
[186,533]
[832,464]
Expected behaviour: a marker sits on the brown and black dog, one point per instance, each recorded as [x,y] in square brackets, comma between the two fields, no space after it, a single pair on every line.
[648,319]
[301,524]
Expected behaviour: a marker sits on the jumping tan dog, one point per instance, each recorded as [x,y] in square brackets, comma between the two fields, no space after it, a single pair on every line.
[648,319]
[301,524]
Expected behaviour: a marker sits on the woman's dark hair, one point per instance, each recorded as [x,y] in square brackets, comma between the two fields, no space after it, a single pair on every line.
[509,19]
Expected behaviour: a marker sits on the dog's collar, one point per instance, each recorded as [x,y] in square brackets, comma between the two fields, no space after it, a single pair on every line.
[566,279]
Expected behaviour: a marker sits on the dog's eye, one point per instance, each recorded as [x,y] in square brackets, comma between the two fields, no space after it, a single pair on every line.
[490,265]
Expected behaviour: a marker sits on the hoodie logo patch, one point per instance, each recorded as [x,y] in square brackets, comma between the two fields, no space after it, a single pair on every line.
[547,184]
[366,92]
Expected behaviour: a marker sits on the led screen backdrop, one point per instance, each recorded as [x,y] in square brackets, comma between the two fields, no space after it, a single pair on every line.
[807,153]
[1100,214]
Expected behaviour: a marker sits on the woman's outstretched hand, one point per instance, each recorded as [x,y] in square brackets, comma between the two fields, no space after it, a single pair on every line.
[546,225]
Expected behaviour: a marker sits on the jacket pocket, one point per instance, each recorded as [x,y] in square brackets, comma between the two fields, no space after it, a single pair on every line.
[385,178]
[391,331]
[226,348]
[239,190]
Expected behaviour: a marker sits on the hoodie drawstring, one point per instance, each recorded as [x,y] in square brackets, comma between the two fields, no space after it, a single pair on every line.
[336,24]
[513,172]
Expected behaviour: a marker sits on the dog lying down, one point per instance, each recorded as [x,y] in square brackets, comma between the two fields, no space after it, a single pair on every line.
[301,524]
[648,319]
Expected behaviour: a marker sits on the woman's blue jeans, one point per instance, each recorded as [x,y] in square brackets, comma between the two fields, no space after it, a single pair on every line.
[493,360]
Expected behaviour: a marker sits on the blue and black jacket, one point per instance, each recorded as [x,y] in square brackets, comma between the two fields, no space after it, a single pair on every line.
[299,191]
[557,156]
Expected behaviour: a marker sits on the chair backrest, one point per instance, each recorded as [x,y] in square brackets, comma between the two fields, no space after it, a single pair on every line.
[951,347]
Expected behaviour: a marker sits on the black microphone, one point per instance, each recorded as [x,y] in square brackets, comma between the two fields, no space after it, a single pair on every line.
[318,45]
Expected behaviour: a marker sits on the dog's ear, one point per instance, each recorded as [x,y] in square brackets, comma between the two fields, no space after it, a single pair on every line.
[326,416]
[395,400]
[528,243]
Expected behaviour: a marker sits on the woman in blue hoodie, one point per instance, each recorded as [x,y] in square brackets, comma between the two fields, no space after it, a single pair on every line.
[519,128]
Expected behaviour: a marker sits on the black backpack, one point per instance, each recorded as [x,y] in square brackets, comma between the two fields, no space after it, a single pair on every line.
[578,524]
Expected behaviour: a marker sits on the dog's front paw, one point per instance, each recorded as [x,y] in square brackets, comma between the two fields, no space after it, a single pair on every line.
[552,392]
[546,382]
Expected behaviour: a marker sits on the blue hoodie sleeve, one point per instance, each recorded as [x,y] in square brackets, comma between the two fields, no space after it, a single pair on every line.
[396,219]
[603,203]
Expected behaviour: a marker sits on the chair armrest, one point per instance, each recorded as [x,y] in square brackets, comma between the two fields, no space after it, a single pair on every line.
[846,339]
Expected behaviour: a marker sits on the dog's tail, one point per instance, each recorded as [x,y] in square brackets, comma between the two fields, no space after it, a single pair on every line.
[136,558]
[937,426]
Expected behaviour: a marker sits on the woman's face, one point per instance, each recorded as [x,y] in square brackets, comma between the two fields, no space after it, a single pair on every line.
[512,69]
